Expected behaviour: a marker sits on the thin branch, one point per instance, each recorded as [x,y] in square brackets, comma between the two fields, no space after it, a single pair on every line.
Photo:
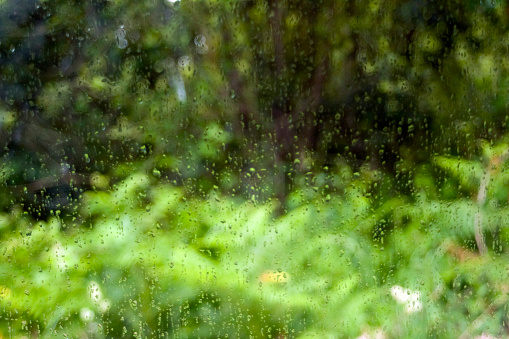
[481,200]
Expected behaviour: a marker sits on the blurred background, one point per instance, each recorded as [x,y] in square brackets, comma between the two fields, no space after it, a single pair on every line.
[274,168]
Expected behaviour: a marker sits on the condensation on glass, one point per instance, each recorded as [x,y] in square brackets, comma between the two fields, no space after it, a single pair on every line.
[254,169]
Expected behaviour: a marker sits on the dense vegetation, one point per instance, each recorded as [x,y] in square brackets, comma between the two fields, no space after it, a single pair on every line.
[275,168]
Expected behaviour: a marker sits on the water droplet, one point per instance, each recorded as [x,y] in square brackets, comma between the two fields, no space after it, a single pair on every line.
[202,49]
[120,33]
[184,61]
[200,40]
[159,66]
[122,43]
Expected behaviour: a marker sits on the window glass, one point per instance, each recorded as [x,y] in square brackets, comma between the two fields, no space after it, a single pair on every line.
[254,169]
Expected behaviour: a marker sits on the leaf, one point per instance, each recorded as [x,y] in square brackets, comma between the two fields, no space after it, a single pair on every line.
[467,172]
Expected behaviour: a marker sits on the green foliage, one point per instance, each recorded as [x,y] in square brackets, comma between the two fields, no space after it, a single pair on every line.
[253,169]
[205,90]
[149,260]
